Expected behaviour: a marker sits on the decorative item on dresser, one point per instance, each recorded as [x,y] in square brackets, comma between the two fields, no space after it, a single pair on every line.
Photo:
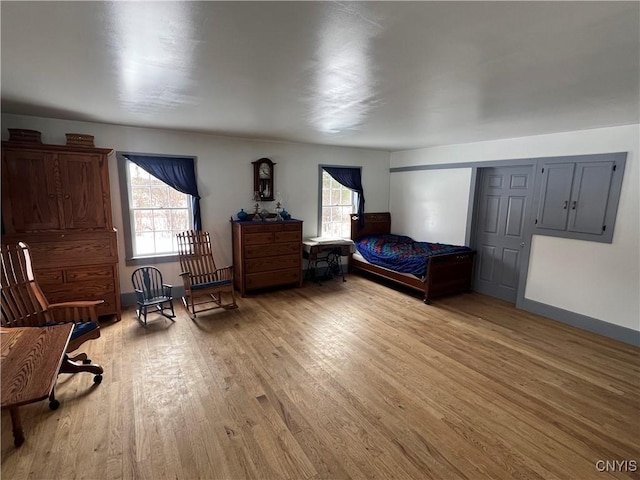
[56,198]
[266,254]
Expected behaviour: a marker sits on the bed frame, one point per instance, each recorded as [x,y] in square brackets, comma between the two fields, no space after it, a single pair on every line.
[446,274]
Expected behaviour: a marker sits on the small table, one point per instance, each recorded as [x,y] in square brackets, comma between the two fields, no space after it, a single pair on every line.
[30,361]
[319,250]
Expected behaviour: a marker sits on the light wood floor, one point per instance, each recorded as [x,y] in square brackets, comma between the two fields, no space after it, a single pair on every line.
[352,380]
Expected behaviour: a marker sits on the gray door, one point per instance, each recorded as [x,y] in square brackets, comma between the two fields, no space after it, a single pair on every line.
[502,203]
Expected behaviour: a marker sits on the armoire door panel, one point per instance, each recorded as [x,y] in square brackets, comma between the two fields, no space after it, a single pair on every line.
[30,195]
[82,191]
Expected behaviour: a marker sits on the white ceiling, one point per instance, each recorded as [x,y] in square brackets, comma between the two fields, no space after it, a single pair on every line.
[387,75]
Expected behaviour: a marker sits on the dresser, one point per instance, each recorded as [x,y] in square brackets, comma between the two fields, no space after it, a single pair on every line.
[56,199]
[266,254]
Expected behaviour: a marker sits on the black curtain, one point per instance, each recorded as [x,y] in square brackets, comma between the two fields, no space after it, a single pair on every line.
[351,178]
[177,172]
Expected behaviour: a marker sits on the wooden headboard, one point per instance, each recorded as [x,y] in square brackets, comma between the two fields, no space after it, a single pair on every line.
[374,223]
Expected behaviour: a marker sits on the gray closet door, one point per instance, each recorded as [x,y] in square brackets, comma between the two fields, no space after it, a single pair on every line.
[589,197]
[504,196]
[555,195]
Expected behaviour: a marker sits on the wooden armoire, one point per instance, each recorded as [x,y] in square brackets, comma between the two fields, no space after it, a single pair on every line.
[56,199]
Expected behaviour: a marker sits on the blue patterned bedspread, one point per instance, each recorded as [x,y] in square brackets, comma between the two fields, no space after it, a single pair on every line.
[401,253]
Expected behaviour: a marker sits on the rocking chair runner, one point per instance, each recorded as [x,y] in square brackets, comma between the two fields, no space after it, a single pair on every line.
[24,305]
[204,284]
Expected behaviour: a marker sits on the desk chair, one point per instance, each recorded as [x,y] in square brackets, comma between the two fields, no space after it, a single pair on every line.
[204,284]
[24,305]
[151,291]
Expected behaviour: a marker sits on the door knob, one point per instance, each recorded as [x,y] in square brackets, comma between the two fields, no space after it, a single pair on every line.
[522,244]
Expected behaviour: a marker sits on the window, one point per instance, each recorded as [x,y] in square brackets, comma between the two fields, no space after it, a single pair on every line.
[156,212]
[338,204]
[159,197]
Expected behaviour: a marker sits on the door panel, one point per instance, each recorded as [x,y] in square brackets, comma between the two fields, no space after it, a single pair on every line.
[515,217]
[554,196]
[82,191]
[591,187]
[487,254]
[510,265]
[29,192]
[492,216]
[503,199]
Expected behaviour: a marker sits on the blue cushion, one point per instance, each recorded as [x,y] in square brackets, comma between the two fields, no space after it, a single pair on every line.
[219,283]
[79,329]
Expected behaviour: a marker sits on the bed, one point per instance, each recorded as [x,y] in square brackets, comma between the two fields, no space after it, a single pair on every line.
[443,273]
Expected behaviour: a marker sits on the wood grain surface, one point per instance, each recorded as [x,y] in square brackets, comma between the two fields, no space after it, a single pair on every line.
[31,357]
[343,380]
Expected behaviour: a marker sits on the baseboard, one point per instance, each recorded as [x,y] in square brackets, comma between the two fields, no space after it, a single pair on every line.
[611,330]
[129,299]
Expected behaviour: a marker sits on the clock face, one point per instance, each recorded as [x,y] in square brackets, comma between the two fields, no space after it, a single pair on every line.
[265,170]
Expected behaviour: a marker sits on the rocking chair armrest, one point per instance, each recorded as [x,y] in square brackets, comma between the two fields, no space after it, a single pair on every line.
[77,304]
[225,273]
[139,295]
[167,289]
[78,311]
[186,280]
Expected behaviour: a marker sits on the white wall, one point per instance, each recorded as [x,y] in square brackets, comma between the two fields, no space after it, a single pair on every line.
[424,201]
[598,280]
[225,174]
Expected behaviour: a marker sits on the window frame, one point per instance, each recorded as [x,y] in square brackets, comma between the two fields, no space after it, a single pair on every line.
[354,194]
[123,177]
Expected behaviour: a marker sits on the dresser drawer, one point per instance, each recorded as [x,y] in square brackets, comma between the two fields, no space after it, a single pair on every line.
[93,275]
[109,306]
[262,228]
[83,283]
[268,264]
[288,237]
[270,279]
[49,277]
[258,238]
[256,251]
[297,227]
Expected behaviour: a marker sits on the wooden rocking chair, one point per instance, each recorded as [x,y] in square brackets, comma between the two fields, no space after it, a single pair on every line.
[204,284]
[24,305]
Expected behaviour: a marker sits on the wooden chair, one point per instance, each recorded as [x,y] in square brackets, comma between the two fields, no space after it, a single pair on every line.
[24,305]
[204,284]
[151,291]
